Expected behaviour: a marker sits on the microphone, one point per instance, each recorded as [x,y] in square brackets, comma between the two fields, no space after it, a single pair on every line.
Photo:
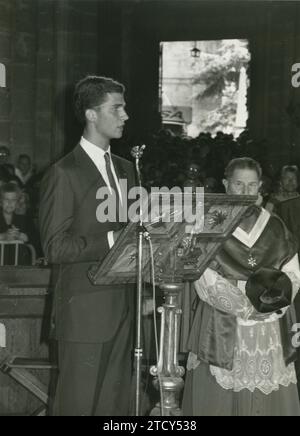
[137,151]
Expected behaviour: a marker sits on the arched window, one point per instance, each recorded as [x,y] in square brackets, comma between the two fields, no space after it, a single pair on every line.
[2,76]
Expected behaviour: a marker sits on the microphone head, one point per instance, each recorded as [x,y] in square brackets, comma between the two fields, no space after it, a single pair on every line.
[137,151]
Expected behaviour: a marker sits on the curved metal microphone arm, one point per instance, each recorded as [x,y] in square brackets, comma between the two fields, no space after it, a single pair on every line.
[138,172]
[137,153]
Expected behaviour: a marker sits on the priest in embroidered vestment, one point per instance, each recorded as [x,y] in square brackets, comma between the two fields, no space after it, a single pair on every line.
[241,354]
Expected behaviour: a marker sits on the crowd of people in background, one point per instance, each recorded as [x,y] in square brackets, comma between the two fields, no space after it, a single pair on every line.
[169,160]
[172,160]
[19,205]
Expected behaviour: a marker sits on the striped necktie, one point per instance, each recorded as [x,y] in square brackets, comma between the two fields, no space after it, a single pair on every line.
[112,181]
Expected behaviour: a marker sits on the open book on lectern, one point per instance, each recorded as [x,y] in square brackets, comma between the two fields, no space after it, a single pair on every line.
[190,232]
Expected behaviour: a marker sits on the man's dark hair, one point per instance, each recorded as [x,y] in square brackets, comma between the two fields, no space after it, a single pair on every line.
[92,91]
[242,163]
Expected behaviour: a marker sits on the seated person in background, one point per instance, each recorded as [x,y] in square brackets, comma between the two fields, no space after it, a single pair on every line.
[24,170]
[4,155]
[28,180]
[14,227]
[193,176]
[23,206]
[6,169]
[288,187]
[210,185]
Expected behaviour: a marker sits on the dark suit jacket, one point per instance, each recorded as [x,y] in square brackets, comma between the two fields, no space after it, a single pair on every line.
[73,239]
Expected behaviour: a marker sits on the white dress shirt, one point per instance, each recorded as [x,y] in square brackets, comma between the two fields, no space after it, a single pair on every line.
[96,154]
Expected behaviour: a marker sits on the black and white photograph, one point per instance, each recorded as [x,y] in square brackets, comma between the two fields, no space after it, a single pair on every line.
[149,210]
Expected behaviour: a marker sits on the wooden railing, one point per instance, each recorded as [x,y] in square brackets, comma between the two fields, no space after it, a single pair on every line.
[17,245]
[24,297]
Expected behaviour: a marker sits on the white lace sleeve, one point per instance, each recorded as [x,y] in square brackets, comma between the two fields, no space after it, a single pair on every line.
[221,294]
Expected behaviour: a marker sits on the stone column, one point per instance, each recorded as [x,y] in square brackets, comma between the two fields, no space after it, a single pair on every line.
[23,76]
[45,67]
[76,54]
[5,59]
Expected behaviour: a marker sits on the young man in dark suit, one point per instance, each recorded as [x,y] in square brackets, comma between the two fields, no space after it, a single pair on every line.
[93,324]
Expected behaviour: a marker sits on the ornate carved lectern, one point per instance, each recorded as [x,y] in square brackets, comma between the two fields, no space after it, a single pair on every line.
[182,250]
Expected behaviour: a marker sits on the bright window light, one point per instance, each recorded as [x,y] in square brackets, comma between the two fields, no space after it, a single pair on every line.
[203,86]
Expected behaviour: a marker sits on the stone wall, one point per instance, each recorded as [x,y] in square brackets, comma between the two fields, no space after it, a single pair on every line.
[44,85]
[48,45]
[67,34]
[6,59]
[22,72]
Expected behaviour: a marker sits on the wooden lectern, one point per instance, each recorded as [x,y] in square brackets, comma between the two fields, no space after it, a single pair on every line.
[182,251]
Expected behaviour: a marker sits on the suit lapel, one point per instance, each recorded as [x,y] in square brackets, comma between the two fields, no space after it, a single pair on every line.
[119,169]
[85,163]
[87,167]
[121,174]
[89,175]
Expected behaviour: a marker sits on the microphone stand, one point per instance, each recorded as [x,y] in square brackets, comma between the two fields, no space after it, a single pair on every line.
[137,153]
